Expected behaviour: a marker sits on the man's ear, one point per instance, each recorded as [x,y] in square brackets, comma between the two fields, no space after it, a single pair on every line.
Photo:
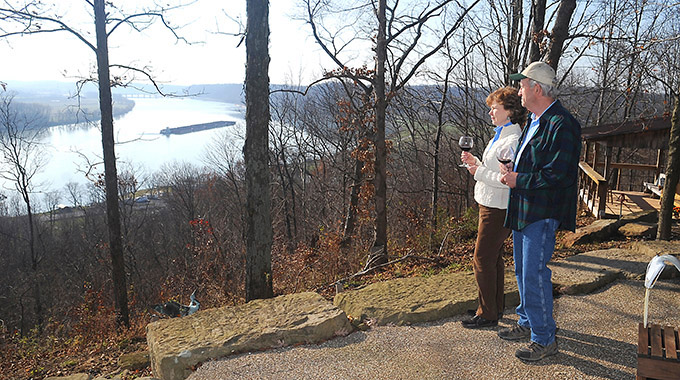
[536,88]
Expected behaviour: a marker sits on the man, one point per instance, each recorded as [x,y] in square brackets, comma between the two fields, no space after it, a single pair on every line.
[543,198]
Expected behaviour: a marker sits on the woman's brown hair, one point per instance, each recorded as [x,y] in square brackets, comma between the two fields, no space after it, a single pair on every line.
[510,100]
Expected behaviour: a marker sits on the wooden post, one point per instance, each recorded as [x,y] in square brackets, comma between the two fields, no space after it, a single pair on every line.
[607,161]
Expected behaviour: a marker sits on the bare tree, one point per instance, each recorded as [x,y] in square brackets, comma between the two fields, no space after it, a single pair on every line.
[672,175]
[402,47]
[663,44]
[23,159]
[35,17]
[256,152]
[537,29]
[287,159]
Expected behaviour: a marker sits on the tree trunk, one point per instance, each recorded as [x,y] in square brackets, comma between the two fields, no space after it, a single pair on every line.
[110,172]
[435,157]
[672,176]
[435,177]
[286,182]
[256,153]
[560,31]
[379,252]
[512,59]
[350,216]
[35,260]
[537,30]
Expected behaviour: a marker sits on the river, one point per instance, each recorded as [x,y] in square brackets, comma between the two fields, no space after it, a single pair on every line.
[139,146]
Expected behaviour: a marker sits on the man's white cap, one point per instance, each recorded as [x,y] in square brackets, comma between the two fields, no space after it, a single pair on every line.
[538,71]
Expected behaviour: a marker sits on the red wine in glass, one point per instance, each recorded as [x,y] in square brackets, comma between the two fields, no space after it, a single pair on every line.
[505,157]
[466,143]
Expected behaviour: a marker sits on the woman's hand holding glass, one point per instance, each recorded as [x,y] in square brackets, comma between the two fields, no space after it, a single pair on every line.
[468,159]
[466,143]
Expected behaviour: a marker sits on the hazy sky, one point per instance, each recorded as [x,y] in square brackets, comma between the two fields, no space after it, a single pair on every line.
[216,60]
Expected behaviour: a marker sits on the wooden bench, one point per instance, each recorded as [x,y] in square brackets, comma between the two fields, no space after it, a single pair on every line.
[653,188]
[658,356]
[658,191]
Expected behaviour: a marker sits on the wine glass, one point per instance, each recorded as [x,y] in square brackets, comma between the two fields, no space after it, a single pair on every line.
[505,156]
[466,143]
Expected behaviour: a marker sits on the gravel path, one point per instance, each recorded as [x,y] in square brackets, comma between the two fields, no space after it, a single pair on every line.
[597,339]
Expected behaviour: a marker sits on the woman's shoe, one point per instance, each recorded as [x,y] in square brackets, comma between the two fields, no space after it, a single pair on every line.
[478,322]
[473,312]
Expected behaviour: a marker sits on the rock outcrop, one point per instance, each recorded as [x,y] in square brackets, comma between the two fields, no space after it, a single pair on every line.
[656,247]
[599,230]
[85,376]
[177,345]
[604,229]
[589,271]
[417,299]
[134,361]
[641,229]
[77,376]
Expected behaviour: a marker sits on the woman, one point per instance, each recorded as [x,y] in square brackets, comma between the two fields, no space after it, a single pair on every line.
[507,114]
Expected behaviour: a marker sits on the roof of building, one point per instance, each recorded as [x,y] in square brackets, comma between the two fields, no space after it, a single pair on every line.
[649,133]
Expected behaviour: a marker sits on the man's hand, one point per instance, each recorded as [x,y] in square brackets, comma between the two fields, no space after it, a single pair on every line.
[509,179]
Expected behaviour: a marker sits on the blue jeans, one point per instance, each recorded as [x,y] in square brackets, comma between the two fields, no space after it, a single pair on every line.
[533,248]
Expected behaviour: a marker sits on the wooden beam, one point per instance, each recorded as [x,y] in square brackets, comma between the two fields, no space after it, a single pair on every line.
[626,165]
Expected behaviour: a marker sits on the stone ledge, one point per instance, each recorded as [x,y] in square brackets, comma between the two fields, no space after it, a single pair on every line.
[417,299]
[656,247]
[77,376]
[603,229]
[599,230]
[412,300]
[589,271]
[177,345]
[651,248]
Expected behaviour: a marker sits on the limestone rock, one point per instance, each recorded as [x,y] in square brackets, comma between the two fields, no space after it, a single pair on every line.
[177,345]
[134,361]
[599,230]
[651,248]
[417,299]
[592,270]
[77,376]
[656,247]
[646,216]
[639,229]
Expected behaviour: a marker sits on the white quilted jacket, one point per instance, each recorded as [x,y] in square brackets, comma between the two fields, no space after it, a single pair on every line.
[489,191]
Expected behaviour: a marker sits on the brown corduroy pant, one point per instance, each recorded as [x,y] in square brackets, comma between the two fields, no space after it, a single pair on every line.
[488,261]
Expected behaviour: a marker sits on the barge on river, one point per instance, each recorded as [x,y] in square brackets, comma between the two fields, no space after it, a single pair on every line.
[195,127]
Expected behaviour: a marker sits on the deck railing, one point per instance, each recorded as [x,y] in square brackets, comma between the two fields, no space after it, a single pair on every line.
[592,189]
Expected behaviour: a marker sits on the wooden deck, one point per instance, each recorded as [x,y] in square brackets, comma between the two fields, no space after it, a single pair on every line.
[594,191]
[627,202]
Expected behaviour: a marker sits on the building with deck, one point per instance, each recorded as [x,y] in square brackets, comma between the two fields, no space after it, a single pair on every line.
[622,166]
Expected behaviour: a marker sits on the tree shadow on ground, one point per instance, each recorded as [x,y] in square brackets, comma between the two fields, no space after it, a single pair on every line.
[577,349]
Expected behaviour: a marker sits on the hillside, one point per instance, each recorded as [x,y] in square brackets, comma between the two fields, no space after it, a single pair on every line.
[91,349]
